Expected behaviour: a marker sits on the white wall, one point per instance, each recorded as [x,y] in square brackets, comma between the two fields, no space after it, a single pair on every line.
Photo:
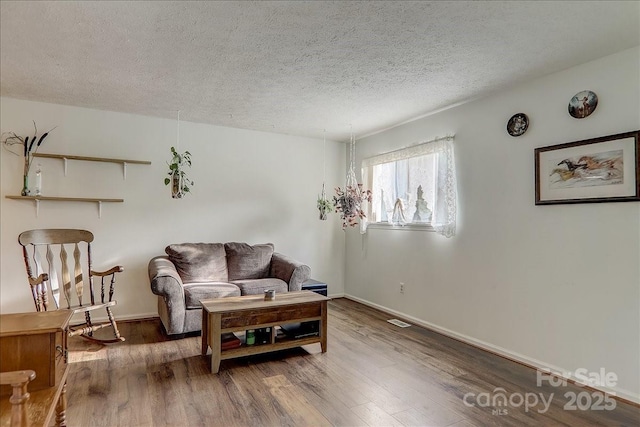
[250,186]
[557,286]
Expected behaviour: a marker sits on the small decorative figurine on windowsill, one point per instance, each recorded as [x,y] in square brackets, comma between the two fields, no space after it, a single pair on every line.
[423,213]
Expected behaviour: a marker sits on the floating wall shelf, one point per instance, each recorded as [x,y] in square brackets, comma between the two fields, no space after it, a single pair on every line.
[37,200]
[65,157]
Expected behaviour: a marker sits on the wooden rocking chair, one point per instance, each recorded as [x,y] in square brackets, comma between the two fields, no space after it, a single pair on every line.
[35,244]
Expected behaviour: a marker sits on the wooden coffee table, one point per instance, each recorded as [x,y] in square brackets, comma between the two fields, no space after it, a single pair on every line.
[231,314]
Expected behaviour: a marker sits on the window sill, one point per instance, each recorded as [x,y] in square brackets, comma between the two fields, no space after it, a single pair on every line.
[406,227]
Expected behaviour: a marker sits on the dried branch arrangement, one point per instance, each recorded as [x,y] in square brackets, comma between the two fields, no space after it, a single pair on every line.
[26,147]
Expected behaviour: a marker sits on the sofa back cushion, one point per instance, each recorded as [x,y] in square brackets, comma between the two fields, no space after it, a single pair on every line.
[248,262]
[199,262]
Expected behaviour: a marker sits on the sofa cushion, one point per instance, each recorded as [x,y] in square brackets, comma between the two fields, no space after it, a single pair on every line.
[200,291]
[199,262]
[258,286]
[248,262]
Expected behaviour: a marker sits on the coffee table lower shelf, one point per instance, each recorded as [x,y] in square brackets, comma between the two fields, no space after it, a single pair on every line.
[249,350]
[239,314]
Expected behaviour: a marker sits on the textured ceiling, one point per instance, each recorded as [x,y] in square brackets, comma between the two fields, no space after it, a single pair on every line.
[296,67]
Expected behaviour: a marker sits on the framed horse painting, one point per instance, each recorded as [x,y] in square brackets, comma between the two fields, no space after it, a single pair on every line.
[605,169]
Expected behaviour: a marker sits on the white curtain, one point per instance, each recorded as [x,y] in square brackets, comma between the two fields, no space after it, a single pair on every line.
[443,191]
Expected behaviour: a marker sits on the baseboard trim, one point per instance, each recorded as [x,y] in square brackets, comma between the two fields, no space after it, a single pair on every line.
[119,319]
[616,393]
[138,318]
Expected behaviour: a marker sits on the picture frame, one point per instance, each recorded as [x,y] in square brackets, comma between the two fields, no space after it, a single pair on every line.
[604,169]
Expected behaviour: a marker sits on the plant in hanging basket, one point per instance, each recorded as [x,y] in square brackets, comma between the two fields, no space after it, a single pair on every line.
[180,183]
[324,206]
[348,203]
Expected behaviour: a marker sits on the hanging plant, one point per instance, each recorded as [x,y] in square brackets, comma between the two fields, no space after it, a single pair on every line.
[324,205]
[180,183]
[27,147]
[348,202]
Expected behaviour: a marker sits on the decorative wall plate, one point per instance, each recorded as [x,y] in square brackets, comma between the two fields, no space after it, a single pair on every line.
[583,104]
[517,124]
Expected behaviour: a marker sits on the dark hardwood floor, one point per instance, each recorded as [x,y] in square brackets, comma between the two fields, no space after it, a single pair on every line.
[374,374]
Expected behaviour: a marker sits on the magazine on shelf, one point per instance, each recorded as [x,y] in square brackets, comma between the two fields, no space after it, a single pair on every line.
[230,340]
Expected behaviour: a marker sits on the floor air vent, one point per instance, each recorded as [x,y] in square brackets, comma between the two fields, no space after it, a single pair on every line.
[399,323]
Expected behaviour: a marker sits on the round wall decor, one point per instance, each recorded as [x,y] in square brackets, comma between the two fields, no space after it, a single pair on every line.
[583,104]
[517,124]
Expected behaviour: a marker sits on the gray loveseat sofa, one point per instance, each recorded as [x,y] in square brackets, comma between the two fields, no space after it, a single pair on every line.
[191,272]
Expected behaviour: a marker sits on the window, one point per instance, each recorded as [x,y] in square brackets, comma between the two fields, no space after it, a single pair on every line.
[403,191]
[413,186]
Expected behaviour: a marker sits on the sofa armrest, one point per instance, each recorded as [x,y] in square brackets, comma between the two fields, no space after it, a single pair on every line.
[167,284]
[289,270]
[165,280]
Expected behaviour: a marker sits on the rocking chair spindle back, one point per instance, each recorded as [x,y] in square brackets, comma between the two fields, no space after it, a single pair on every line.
[50,275]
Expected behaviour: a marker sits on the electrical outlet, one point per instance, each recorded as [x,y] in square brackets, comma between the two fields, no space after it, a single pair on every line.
[401,288]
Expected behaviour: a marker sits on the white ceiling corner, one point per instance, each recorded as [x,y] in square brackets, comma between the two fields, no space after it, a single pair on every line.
[296,67]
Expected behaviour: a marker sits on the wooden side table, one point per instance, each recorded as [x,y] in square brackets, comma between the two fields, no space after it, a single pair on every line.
[38,342]
[315,286]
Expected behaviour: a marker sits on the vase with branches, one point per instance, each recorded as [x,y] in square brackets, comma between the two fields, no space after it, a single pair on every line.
[27,147]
